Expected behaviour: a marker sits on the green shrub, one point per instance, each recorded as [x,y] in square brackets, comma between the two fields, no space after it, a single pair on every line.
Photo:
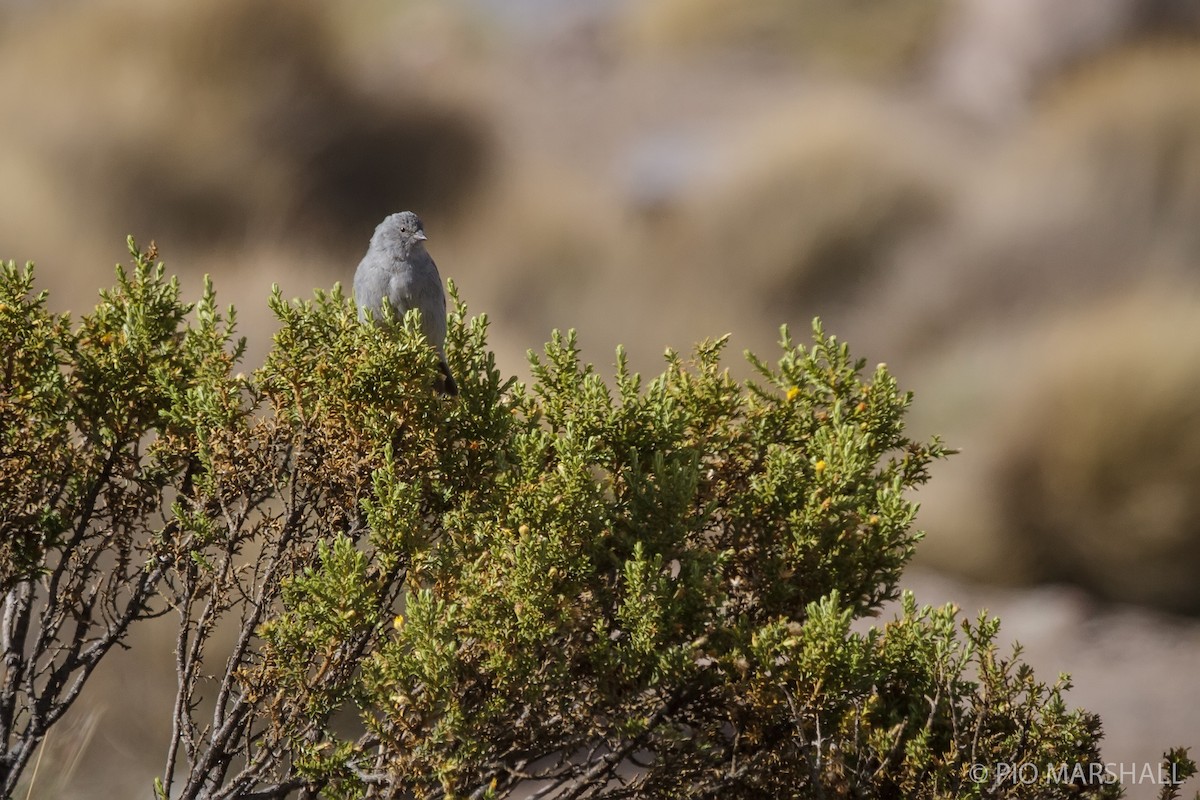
[573,587]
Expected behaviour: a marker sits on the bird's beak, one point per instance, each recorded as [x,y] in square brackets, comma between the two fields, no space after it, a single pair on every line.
[420,236]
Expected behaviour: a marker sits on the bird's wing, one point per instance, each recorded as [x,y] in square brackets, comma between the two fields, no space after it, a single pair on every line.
[370,286]
[426,293]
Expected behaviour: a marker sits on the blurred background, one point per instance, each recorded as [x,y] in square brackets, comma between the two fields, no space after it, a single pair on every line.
[999,198]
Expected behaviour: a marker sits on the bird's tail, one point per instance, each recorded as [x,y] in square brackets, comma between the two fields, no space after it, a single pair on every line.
[446,385]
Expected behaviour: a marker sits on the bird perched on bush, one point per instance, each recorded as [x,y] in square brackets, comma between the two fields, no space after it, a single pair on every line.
[398,267]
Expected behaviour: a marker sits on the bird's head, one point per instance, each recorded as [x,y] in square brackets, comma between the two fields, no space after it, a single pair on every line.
[403,229]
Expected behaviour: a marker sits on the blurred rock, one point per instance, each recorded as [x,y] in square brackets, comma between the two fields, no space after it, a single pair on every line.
[996,51]
[996,54]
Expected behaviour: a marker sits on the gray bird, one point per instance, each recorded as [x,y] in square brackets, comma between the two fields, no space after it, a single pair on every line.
[398,267]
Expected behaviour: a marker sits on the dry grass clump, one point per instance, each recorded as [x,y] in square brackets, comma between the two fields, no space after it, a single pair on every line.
[1105,175]
[1101,453]
[1122,140]
[202,123]
[810,207]
[1080,439]
[874,38]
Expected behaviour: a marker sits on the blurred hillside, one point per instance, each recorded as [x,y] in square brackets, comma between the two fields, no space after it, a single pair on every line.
[1000,198]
